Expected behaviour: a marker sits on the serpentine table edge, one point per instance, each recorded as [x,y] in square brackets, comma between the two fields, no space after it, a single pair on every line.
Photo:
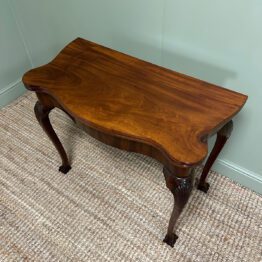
[139,107]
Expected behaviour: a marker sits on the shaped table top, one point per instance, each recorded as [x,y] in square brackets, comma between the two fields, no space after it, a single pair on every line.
[127,97]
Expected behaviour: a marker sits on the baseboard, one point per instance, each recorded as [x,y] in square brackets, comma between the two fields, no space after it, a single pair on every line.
[239,174]
[11,92]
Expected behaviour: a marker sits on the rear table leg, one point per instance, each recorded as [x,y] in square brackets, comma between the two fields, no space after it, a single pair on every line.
[222,137]
[42,115]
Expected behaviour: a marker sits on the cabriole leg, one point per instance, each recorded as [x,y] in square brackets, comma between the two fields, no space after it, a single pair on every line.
[42,115]
[181,188]
[222,137]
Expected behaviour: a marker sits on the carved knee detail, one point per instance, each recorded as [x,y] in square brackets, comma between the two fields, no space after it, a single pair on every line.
[178,185]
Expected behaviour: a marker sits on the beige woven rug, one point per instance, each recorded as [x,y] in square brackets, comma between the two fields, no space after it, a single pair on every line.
[112,206]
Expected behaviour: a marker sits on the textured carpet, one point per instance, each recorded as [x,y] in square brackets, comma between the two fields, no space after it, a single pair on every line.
[112,205]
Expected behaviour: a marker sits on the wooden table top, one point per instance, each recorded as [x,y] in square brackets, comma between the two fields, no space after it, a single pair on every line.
[130,98]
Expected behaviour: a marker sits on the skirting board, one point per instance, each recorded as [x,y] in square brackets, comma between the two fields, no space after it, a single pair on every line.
[239,174]
[11,92]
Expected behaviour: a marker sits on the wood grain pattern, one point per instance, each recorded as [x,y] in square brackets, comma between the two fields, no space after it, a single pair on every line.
[136,106]
[124,96]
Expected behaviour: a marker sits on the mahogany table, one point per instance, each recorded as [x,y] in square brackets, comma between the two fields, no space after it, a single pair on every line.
[137,106]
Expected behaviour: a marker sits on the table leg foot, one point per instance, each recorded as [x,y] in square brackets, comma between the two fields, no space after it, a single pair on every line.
[64,169]
[203,187]
[170,239]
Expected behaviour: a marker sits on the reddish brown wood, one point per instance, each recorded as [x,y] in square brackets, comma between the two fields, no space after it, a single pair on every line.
[136,106]
[120,95]
[181,188]
[222,137]
[42,114]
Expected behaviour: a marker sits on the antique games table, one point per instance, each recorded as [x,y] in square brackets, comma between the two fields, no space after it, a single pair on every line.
[140,107]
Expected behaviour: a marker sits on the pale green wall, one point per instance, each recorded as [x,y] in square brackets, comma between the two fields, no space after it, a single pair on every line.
[219,41]
[13,57]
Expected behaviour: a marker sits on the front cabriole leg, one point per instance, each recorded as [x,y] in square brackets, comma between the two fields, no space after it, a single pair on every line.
[42,111]
[180,183]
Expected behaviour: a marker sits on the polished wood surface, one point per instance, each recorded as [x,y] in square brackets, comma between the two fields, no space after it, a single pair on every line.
[125,97]
[137,106]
